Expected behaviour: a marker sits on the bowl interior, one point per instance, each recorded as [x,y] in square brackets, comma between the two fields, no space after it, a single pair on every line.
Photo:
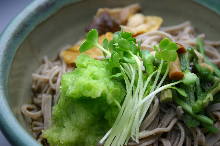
[67,26]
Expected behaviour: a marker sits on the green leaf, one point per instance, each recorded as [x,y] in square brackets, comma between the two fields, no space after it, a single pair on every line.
[123,44]
[203,71]
[180,91]
[211,128]
[164,43]
[86,46]
[91,40]
[123,41]
[201,48]
[184,105]
[105,44]
[128,60]
[92,36]
[156,48]
[216,69]
[206,120]
[166,95]
[148,61]
[200,45]
[117,75]
[189,78]
[167,44]
[111,45]
[172,46]
[115,60]
[166,50]
[184,61]
[190,121]
[139,45]
[127,36]
[167,55]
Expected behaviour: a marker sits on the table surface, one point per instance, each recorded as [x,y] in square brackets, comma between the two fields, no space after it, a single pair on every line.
[8,10]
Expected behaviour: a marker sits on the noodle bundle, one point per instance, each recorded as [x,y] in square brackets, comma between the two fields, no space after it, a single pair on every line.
[163,124]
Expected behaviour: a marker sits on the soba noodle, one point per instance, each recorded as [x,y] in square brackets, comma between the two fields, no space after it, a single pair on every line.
[161,127]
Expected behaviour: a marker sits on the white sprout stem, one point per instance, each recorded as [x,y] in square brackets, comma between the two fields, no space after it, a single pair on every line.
[160,83]
[137,96]
[157,76]
[148,104]
[126,78]
[128,108]
[111,137]
[148,99]
[159,90]
[164,76]
[103,49]
[148,80]
[132,111]
[145,108]
[105,136]
[117,104]
[133,104]
[127,70]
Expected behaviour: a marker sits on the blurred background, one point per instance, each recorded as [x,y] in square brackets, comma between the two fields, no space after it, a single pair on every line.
[8,10]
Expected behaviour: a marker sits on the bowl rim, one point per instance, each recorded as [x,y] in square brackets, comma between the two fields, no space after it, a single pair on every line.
[10,39]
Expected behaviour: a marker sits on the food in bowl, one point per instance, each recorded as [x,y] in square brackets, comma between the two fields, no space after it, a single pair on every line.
[130,81]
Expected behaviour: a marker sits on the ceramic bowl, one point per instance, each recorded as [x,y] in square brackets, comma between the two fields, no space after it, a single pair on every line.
[45,26]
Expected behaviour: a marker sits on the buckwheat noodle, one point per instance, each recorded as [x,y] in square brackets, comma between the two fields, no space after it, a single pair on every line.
[161,127]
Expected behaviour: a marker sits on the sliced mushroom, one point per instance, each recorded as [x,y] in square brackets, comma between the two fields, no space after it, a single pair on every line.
[175,72]
[138,24]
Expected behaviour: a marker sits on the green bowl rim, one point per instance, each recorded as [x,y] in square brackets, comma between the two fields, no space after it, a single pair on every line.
[10,39]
